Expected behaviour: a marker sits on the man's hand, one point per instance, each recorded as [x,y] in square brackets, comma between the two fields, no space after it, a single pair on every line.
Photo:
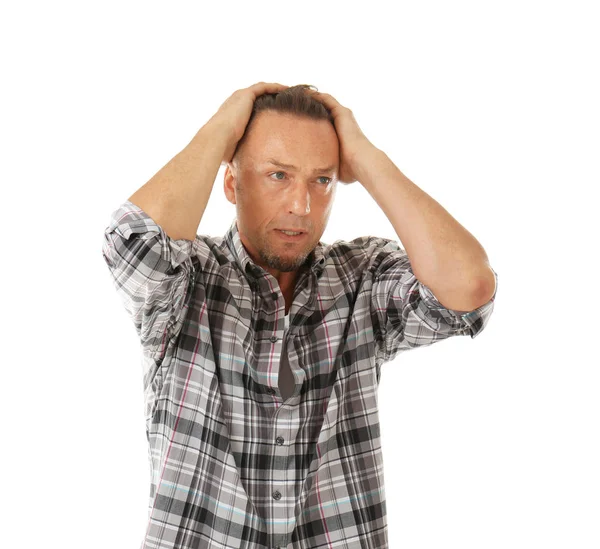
[233,115]
[353,142]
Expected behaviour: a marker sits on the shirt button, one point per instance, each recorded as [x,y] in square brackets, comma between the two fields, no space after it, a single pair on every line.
[274,295]
[279,440]
[270,390]
[273,339]
[277,494]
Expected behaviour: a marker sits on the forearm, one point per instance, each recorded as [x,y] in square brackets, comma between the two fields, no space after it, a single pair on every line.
[177,195]
[443,254]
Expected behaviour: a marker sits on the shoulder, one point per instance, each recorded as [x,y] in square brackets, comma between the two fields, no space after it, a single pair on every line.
[363,252]
[212,252]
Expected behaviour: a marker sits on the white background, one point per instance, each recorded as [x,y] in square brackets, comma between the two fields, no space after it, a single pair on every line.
[491,108]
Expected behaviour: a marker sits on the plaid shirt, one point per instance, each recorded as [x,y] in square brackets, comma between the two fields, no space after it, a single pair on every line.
[232,463]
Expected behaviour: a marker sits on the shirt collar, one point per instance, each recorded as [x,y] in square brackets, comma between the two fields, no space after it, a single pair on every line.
[315,260]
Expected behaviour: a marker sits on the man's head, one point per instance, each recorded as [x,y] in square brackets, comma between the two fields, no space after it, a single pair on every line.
[294,129]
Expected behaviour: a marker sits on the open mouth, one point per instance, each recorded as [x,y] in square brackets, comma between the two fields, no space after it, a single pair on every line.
[291,236]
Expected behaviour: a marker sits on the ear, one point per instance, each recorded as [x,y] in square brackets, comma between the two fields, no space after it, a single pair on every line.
[229,183]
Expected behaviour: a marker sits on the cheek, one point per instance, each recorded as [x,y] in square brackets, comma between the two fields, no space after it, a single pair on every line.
[260,193]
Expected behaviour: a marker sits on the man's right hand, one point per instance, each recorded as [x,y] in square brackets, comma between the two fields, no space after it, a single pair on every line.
[233,115]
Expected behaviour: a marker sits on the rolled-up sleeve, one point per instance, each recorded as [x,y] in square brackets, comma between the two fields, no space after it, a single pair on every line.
[406,313]
[152,273]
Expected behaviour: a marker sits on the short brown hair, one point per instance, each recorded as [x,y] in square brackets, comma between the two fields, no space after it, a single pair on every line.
[292,100]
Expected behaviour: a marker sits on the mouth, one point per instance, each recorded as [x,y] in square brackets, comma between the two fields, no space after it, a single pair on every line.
[294,236]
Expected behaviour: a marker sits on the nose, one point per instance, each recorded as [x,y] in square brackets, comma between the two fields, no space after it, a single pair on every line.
[298,198]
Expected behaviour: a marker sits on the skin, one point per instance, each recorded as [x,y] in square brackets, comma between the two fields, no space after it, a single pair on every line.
[268,197]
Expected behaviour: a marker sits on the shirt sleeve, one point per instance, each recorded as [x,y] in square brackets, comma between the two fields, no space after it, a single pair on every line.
[152,273]
[406,313]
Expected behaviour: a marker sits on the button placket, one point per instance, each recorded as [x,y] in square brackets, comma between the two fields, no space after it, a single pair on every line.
[280,510]
[270,390]
[279,476]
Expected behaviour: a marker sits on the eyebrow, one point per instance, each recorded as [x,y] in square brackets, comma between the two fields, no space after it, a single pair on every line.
[290,167]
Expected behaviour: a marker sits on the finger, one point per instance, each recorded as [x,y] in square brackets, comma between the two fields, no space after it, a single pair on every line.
[320,95]
[262,88]
[328,100]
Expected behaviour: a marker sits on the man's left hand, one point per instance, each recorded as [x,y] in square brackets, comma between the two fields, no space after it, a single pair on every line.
[353,142]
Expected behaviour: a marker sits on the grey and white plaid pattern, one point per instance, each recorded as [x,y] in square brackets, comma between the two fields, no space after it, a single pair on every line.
[232,465]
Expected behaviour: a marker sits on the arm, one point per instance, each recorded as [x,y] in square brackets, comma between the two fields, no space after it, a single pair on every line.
[176,197]
[149,243]
[405,313]
[444,256]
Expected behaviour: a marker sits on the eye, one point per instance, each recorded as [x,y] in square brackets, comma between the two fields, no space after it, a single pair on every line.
[326,182]
[276,173]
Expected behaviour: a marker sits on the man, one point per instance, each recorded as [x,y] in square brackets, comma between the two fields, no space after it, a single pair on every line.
[262,349]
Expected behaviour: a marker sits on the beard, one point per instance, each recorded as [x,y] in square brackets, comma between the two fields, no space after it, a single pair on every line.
[277,261]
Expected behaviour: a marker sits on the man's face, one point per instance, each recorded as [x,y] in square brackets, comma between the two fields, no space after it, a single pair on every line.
[270,197]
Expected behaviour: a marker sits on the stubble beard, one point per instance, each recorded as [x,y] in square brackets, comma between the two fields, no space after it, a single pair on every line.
[281,263]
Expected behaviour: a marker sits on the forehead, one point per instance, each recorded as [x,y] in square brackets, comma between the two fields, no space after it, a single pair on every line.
[292,140]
